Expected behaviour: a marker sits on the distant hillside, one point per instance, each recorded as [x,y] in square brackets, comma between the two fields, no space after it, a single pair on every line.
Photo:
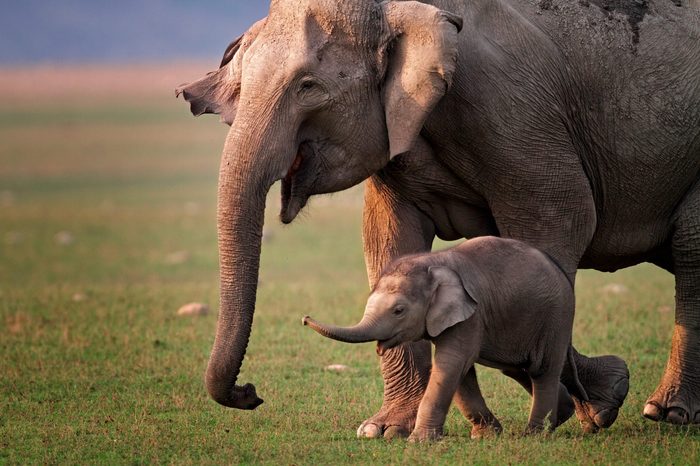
[81,31]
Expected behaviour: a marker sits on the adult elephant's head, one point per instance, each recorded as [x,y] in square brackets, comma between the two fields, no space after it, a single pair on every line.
[319,94]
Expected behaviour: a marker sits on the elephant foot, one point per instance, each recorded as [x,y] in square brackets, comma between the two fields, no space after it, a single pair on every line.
[676,401]
[486,430]
[425,435]
[606,381]
[390,423]
[406,370]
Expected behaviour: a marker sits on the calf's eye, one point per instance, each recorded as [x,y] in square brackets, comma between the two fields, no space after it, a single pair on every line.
[398,310]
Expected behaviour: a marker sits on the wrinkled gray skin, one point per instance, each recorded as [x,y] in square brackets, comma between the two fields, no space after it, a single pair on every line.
[489,300]
[569,126]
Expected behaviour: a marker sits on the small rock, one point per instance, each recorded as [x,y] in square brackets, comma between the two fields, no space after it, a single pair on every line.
[177,257]
[64,238]
[79,297]
[193,309]
[337,368]
[614,288]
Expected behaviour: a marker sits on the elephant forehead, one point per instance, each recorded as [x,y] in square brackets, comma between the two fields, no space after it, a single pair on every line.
[409,283]
[391,284]
[358,18]
[381,300]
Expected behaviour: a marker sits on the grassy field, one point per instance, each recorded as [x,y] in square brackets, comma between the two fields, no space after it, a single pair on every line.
[107,226]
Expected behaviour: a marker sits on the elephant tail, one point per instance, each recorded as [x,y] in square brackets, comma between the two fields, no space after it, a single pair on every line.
[574,371]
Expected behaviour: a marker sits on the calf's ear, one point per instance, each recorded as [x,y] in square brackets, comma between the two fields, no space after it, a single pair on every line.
[451,303]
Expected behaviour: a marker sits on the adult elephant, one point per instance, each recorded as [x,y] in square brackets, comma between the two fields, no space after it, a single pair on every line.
[573,126]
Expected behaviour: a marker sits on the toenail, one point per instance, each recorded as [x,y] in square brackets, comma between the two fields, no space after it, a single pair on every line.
[369,431]
[696,419]
[394,432]
[653,411]
[677,416]
[605,417]
[589,428]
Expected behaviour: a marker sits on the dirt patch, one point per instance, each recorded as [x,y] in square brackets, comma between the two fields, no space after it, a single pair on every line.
[635,10]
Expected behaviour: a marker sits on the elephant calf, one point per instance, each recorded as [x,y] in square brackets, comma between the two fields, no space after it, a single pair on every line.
[495,301]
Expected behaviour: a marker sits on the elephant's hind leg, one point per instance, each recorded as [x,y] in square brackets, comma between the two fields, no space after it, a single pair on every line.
[472,405]
[565,405]
[677,398]
[606,381]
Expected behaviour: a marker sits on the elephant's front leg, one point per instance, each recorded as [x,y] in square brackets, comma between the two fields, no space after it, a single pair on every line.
[455,353]
[677,397]
[393,227]
[472,405]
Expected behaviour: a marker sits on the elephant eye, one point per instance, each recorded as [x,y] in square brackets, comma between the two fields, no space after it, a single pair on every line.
[311,93]
[398,310]
[306,85]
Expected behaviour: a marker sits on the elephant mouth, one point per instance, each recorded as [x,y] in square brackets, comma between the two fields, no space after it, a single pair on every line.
[294,193]
[384,345]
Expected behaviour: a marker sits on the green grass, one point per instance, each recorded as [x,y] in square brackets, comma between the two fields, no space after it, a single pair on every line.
[98,368]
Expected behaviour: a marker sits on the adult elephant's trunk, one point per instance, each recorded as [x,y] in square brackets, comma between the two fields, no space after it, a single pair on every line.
[250,163]
[361,333]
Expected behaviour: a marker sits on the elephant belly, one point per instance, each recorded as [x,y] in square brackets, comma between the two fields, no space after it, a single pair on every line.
[614,247]
[635,222]
[501,366]
[454,220]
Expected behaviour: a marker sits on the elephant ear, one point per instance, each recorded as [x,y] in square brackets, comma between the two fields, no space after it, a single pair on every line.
[219,90]
[451,303]
[421,58]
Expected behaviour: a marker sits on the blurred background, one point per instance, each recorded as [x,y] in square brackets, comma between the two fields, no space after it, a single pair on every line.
[83,31]
[89,125]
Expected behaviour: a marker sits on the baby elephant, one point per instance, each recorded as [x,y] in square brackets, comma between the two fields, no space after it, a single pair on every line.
[490,300]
